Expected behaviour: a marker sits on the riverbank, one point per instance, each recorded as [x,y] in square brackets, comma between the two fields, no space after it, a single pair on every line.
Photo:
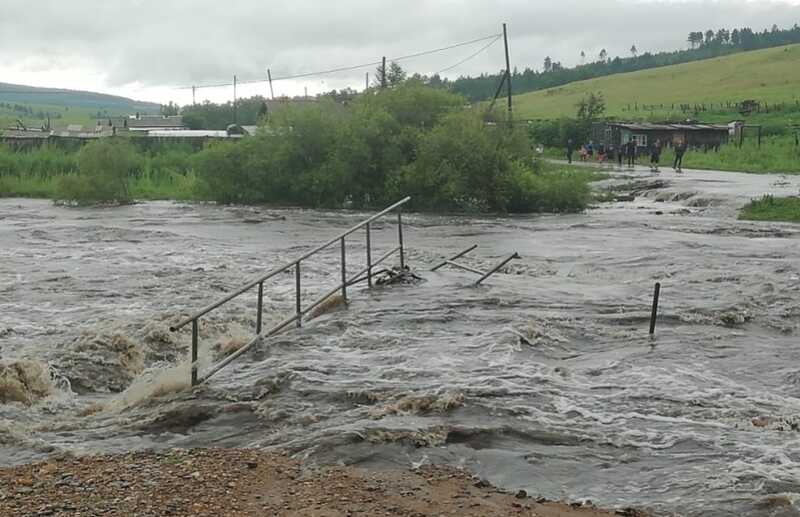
[776,155]
[231,482]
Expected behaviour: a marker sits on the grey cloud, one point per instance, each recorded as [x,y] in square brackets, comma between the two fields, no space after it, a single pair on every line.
[180,42]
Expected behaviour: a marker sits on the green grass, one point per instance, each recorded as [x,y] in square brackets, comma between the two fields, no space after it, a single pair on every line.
[769,208]
[770,75]
[165,173]
[776,155]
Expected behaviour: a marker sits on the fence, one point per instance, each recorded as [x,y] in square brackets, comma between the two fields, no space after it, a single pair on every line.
[300,312]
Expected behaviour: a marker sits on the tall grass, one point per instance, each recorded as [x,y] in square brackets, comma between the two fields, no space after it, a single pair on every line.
[166,172]
[777,154]
[769,208]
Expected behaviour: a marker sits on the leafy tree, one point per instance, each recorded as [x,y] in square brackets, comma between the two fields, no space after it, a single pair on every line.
[583,56]
[591,107]
[603,55]
[104,167]
[395,75]
[263,111]
[548,64]
[169,110]
[634,51]
[709,37]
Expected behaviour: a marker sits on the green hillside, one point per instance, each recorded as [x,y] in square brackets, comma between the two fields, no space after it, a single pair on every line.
[770,75]
[34,105]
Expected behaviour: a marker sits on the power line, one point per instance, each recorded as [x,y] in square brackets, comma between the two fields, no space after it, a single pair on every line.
[493,37]
[471,56]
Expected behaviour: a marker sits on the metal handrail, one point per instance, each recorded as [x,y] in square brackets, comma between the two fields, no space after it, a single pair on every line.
[300,312]
[291,264]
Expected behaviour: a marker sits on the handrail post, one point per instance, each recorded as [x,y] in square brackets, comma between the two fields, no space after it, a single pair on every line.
[344,272]
[369,257]
[400,237]
[260,306]
[298,310]
[193,364]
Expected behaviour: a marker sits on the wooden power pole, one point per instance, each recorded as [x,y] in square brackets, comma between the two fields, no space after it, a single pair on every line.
[508,78]
[383,73]
[235,119]
[269,78]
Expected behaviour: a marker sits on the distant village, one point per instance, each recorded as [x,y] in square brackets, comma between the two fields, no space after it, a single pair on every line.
[137,126]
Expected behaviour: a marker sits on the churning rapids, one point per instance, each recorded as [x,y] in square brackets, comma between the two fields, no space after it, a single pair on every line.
[589,408]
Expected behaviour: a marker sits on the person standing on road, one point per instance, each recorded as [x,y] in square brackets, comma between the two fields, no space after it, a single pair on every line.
[620,153]
[655,155]
[680,150]
[570,149]
[630,152]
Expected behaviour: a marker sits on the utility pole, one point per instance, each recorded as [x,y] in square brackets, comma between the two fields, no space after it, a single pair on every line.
[194,89]
[383,73]
[235,120]
[366,83]
[508,72]
[271,92]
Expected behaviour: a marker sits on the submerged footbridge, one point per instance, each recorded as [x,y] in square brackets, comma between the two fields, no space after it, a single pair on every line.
[301,312]
[366,274]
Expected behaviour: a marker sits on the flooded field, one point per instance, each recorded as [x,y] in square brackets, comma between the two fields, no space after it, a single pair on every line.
[701,420]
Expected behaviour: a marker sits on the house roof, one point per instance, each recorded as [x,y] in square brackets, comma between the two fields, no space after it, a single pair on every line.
[24,134]
[143,122]
[647,126]
[189,133]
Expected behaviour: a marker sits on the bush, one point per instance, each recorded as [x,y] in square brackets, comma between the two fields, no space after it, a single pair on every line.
[104,167]
[407,140]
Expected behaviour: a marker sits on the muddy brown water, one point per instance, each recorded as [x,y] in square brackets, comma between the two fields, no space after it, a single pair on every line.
[589,408]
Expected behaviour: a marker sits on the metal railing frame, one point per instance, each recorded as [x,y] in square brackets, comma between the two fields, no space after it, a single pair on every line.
[483,274]
[300,312]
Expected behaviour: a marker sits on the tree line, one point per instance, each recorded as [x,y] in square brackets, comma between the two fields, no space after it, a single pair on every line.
[704,45]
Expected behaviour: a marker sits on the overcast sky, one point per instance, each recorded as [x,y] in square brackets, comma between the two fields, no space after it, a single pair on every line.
[148,49]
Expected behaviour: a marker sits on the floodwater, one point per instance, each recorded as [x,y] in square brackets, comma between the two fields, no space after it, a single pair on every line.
[588,406]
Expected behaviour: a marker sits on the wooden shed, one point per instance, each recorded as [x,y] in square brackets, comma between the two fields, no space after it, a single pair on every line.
[696,135]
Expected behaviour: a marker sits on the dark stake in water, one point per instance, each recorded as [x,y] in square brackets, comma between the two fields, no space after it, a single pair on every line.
[544,378]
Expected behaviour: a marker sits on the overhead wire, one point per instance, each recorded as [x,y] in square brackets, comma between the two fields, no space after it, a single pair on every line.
[471,56]
[492,37]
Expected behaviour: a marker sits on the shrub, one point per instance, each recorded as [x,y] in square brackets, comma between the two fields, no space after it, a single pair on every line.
[104,167]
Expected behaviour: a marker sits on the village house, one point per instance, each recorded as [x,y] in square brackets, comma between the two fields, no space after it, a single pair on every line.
[144,123]
[695,135]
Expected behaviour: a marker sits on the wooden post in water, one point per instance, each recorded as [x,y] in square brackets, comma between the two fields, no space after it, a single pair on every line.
[654,314]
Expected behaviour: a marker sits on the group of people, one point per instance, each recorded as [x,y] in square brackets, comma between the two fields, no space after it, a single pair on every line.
[628,152]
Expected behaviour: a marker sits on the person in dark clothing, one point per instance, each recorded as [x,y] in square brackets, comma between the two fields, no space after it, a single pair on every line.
[680,150]
[655,155]
[620,153]
[590,150]
[570,149]
[630,152]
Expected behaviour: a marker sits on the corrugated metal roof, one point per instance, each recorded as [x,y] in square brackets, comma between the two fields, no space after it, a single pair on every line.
[22,134]
[189,133]
[647,126]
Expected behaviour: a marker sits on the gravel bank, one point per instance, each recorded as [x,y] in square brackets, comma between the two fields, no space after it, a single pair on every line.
[224,482]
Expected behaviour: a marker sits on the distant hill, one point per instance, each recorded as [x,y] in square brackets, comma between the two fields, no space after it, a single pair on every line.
[34,105]
[769,75]
[21,94]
